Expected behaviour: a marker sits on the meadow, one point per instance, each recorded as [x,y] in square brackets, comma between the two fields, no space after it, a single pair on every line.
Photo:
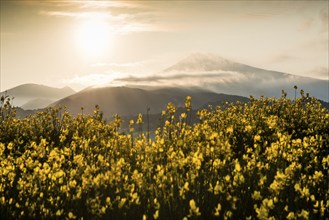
[265,159]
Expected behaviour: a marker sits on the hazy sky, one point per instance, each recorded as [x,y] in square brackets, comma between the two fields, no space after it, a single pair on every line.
[80,43]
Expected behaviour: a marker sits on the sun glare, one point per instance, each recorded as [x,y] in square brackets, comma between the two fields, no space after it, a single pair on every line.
[94,38]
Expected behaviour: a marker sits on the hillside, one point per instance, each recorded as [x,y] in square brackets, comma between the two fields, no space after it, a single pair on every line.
[33,96]
[127,101]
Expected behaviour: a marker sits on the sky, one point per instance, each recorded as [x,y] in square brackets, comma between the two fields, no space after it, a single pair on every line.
[84,43]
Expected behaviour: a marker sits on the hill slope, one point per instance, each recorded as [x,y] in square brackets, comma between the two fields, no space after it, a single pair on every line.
[132,101]
[33,96]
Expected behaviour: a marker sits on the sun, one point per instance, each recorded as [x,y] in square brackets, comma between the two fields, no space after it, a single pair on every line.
[94,38]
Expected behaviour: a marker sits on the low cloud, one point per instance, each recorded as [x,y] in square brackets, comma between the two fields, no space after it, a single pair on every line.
[182,79]
[95,79]
[168,79]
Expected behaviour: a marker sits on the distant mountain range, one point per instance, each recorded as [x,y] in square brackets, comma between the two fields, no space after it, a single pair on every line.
[220,75]
[34,96]
[208,78]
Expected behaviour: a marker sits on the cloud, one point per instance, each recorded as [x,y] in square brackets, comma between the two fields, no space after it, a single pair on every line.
[95,79]
[83,4]
[283,58]
[317,22]
[122,23]
[137,68]
[83,15]
[324,18]
[319,72]
[124,17]
[182,79]
[109,4]
[306,25]
[179,76]
[319,44]
[160,79]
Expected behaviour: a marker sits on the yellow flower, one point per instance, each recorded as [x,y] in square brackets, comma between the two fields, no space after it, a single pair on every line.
[10,146]
[71,215]
[218,209]
[156,214]
[194,210]
[237,166]
[59,212]
[291,215]
[256,195]
[257,138]
[247,128]
[229,130]
[304,214]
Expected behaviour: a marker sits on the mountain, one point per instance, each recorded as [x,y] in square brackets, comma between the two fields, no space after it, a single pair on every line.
[203,63]
[235,78]
[132,101]
[37,104]
[33,96]
[220,75]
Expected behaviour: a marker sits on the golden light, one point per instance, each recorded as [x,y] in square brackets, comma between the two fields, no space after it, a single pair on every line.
[94,38]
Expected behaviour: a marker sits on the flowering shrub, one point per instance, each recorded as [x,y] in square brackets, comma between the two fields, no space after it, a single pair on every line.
[267,159]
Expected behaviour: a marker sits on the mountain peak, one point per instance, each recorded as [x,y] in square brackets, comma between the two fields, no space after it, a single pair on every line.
[203,62]
[68,89]
[25,93]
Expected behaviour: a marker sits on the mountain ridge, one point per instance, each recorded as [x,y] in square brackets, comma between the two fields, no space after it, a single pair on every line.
[25,94]
[132,101]
[224,76]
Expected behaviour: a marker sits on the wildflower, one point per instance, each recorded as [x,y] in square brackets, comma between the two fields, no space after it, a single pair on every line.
[218,209]
[71,215]
[237,166]
[229,130]
[156,214]
[257,138]
[10,146]
[194,210]
[291,215]
[59,212]
[247,128]
[108,200]
[122,202]
[256,195]
[304,214]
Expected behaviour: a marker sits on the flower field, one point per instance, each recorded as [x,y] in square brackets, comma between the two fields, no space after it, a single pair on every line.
[267,159]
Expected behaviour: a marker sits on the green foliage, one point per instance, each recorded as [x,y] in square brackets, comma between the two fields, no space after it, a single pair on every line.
[267,159]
